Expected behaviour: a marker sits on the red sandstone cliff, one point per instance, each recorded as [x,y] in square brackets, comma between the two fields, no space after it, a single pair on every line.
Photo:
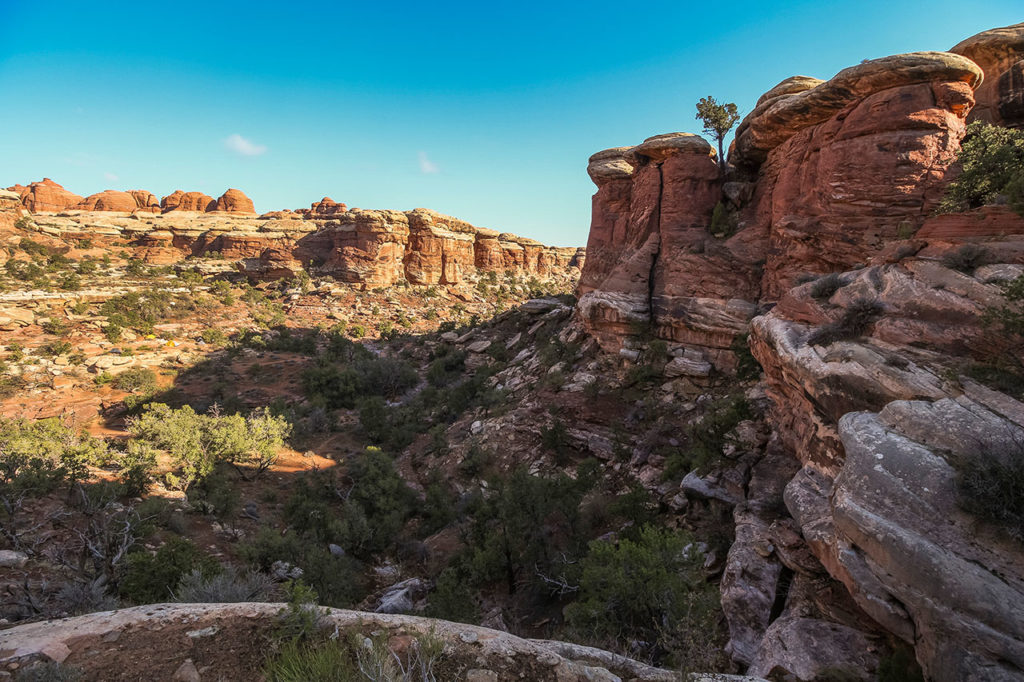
[840,176]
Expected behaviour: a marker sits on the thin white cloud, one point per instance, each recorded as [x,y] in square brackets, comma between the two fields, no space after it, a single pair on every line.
[427,166]
[112,177]
[243,146]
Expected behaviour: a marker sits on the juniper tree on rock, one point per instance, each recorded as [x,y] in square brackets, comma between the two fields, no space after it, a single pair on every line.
[718,120]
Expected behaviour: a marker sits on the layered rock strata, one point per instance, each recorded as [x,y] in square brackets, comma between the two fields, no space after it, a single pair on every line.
[823,176]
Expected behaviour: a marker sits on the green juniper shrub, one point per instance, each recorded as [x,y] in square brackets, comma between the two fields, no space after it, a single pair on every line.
[1009,317]
[453,598]
[706,439]
[339,581]
[151,578]
[136,380]
[632,589]
[854,322]
[992,158]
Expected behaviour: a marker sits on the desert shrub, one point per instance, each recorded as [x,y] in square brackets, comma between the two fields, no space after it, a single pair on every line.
[991,486]
[854,322]
[55,348]
[706,439]
[825,286]
[196,443]
[150,578]
[80,598]
[724,221]
[324,661]
[992,158]
[141,310]
[36,456]
[528,527]
[136,380]
[217,495]
[646,590]
[230,585]
[135,468]
[214,336]
[965,259]
[1009,316]
[338,580]
[453,599]
[364,376]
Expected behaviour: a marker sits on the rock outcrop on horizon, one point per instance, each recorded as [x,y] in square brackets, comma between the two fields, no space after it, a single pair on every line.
[849,533]
[369,247]
[45,196]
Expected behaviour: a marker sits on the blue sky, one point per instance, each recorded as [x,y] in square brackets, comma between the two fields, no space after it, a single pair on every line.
[485,111]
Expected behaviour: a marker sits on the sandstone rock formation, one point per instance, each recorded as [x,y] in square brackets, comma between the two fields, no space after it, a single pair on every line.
[373,248]
[187,201]
[45,195]
[325,207]
[1000,54]
[870,423]
[113,200]
[826,174]
[234,201]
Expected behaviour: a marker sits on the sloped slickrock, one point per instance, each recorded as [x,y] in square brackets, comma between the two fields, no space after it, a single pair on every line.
[960,581]
[46,196]
[496,655]
[1000,54]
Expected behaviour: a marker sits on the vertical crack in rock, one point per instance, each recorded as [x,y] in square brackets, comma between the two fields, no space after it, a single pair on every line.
[656,221]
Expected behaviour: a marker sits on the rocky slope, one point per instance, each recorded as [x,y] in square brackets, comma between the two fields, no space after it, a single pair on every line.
[374,248]
[849,532]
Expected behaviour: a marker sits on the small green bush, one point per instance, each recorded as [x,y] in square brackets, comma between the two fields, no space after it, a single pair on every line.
[149,578]
[992,158]
[136,380]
